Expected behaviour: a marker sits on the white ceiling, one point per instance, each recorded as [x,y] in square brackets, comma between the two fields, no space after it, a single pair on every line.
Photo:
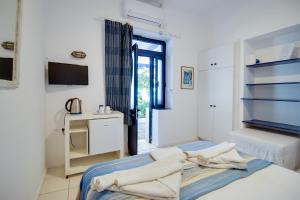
[211,7]
[200,7]
[207,8]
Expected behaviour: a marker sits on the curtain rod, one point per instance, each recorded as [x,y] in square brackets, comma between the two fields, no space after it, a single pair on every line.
[160,31]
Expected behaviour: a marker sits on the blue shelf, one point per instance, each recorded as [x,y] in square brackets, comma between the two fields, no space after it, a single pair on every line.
[268,99]
[273,126]
[268,64]
[280,83]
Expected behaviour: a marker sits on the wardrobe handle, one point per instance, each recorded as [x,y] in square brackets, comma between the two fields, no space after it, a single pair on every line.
[211,106]
[211,64]
[215,64]
[215,106]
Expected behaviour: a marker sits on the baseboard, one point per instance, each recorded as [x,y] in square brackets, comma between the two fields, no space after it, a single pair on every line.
[40,184]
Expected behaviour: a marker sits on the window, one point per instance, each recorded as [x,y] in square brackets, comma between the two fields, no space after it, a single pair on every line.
[148,46]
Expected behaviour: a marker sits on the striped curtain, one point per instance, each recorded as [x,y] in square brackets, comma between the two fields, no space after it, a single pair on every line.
[118,66]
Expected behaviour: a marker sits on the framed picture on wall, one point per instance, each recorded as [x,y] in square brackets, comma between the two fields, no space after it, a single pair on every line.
[187,77]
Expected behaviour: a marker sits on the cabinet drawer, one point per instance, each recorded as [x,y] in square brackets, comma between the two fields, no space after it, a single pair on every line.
[105,135]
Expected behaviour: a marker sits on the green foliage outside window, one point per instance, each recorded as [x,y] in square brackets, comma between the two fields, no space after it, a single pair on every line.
[143,85]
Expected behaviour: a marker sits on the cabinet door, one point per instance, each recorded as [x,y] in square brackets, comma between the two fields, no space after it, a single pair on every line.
[223,102]
[221,57]
[105,135]
[205,123]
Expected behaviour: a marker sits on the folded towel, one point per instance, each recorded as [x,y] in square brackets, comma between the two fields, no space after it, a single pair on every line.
[150,172]
[230,156]
[220,156]
[212,151]
[172,154]
[221,165]
[161,189]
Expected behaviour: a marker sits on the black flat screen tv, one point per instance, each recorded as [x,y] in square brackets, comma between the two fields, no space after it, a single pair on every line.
[67,74]
[6,68]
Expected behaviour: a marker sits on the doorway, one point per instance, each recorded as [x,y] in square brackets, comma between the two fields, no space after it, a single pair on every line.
[144,115]
[147,91]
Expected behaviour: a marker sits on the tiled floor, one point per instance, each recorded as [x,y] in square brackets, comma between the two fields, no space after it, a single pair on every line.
[142,129]
[57,187]
[145,147]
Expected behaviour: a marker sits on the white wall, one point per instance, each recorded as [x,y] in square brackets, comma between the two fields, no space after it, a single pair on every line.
[22,115]
[245,19]
[72,25]
[8,18]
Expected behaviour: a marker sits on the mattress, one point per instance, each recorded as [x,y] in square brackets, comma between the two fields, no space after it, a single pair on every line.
[266,183]
[271,183]
[281,149]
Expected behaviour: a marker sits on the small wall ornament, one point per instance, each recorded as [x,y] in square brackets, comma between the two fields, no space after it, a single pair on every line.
[78,54]
[8,45]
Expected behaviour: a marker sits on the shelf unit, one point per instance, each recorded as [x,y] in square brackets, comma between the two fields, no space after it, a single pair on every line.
[274,63]
[273,126]
[271,91]
[78,129]
[270,84]
[78,152]
[79,165]
[79,135]
[268,99]
[77,142]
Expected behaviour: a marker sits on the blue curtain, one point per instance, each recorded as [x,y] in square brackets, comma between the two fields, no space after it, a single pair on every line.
[118,66]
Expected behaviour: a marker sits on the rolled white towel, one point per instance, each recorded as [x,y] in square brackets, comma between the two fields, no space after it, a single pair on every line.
[171,153]
[102,183]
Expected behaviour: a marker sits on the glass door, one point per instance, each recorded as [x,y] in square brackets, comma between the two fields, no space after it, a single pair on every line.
[158,83]
[147,93]
[133,128]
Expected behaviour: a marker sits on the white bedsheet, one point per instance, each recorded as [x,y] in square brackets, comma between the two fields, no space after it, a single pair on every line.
[271,183]
[281,149]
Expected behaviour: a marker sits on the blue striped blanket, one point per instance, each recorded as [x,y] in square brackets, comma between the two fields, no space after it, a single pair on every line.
[196,182]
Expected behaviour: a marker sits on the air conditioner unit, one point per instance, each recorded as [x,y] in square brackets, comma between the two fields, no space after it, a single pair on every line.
[141,11]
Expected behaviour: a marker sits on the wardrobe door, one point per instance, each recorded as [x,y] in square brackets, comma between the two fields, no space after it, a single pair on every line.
[223,103]
[205,123]
[222,56]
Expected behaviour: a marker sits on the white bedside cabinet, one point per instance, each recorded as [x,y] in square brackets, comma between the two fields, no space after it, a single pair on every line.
[91,139]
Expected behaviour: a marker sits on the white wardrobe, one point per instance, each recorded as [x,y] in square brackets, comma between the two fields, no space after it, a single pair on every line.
[215,98]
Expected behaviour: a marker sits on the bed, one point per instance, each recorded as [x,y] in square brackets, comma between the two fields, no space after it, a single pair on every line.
[261,180]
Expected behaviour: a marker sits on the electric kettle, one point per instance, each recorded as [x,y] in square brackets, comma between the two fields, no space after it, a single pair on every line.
[73,106]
